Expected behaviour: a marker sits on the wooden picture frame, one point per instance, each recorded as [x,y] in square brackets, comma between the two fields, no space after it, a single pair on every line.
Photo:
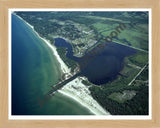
[4,64]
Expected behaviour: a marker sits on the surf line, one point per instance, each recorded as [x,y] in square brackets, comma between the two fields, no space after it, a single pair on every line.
[101,46]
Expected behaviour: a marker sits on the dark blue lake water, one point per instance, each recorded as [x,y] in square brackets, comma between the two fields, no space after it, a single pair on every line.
[34,70]
[102,67]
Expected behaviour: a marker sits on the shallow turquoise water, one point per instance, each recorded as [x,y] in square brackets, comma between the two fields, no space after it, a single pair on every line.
[34,70]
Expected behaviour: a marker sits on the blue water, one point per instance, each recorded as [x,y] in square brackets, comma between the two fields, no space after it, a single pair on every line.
[34,70]
[103,66]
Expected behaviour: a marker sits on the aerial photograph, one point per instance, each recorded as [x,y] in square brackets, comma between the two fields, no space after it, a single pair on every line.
[79,63]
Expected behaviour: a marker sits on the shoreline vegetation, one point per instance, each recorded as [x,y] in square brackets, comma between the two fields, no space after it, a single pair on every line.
[117,97]
[74,89]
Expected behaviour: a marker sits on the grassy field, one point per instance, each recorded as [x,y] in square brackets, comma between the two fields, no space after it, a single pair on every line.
[118,96]
[106,19]
[137,37]
[103,26]
[139,59]
[122,97]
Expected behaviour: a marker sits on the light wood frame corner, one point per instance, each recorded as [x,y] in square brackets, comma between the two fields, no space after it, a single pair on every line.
[4,63]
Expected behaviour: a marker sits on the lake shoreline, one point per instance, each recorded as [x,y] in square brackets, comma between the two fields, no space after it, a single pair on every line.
[63,66]
[99,110]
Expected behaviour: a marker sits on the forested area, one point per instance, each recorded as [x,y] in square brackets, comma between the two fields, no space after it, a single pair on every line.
[48,24]
[70,63]
[44,23]
[138,105]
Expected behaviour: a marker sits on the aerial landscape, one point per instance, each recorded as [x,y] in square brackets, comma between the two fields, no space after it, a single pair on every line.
[80,62]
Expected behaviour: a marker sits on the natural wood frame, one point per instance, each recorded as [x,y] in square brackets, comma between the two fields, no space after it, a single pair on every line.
[4,33]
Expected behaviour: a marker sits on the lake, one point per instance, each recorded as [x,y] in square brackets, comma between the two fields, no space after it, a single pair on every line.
[102,67]
[34,69]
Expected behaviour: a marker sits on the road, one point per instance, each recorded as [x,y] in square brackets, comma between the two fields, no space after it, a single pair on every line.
[137,75]
[131,47]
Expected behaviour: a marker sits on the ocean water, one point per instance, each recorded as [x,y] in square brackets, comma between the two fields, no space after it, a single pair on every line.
[34,70]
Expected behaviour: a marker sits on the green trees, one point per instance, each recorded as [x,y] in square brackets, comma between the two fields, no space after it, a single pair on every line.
[138,105]
[70,63]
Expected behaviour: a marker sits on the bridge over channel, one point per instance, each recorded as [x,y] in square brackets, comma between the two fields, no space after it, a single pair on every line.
[59,85]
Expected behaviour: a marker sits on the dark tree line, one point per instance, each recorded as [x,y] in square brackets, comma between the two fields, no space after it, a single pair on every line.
[138,105]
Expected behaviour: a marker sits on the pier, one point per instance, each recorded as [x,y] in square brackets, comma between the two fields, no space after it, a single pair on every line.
[59,85]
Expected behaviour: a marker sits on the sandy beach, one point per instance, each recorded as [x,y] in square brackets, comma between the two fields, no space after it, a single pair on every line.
[74,89]
[64,67]
[80,93]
